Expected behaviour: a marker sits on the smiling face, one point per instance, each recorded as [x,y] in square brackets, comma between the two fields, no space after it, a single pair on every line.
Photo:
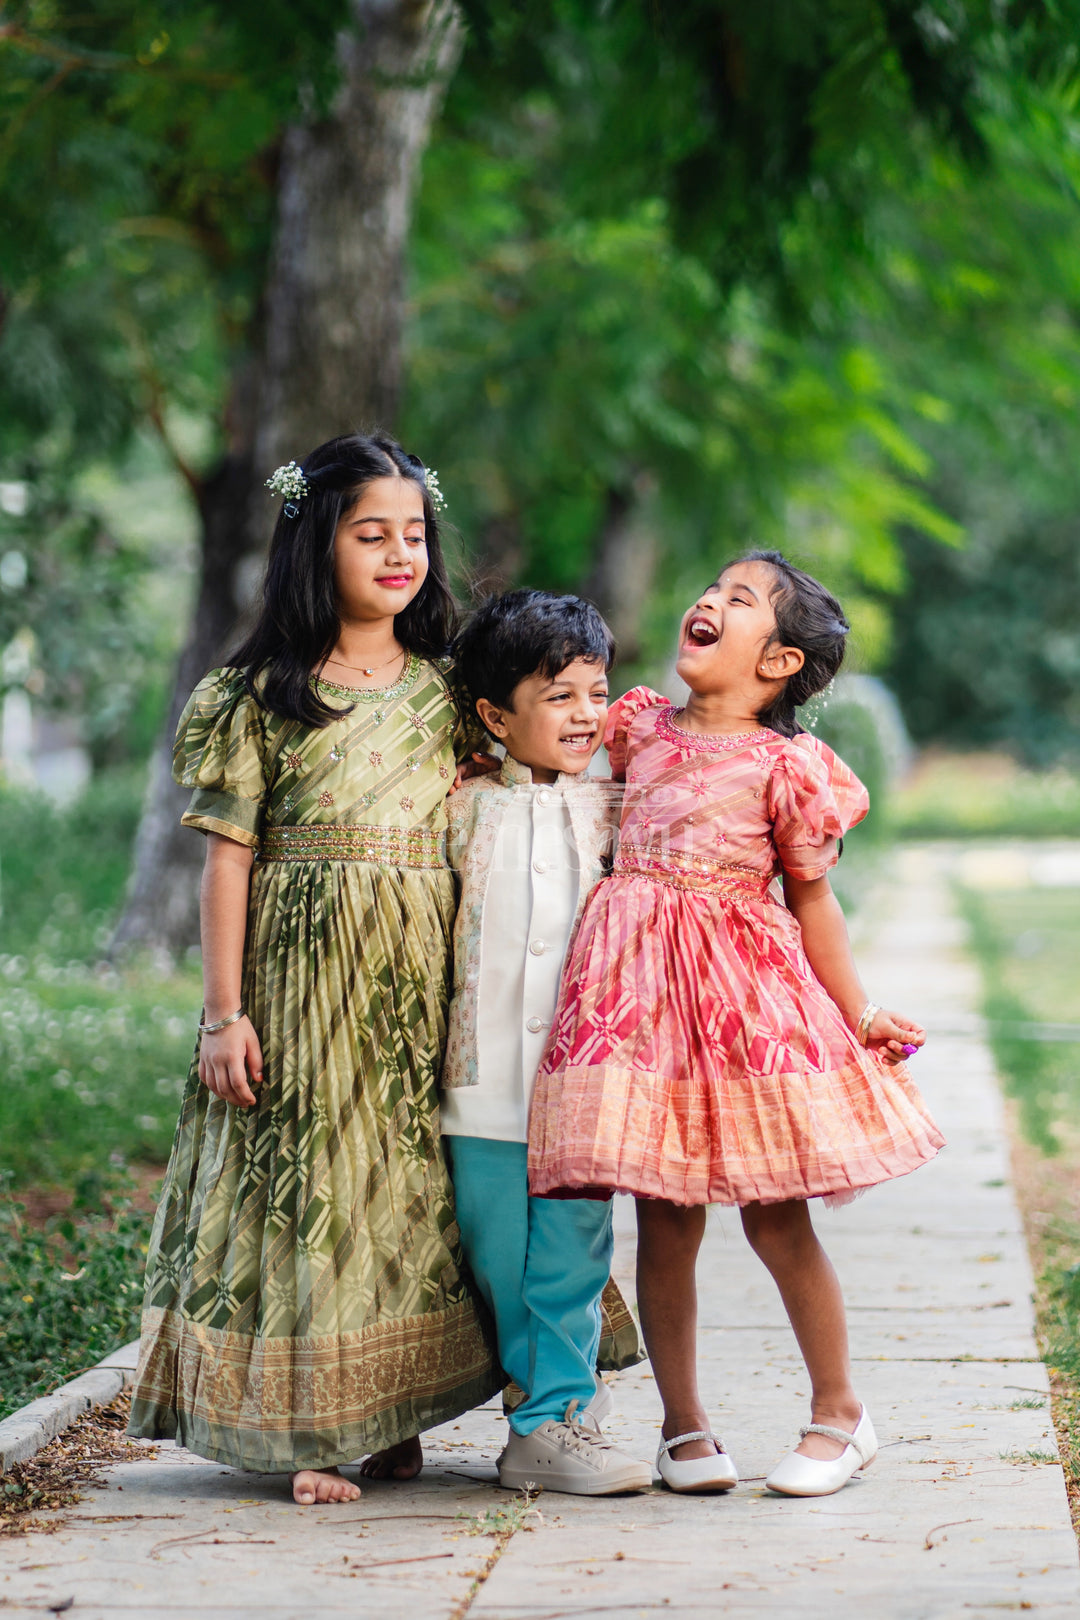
[380,551]
[725,640]
[553,725]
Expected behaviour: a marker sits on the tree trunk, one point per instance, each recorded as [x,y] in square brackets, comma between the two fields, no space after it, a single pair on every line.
[624,566]
[330,363]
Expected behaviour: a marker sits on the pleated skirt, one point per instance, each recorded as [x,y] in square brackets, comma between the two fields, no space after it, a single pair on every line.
[695,1058]
[306,1300]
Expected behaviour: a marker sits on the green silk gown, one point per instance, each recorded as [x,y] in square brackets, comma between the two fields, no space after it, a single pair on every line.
[305,1296]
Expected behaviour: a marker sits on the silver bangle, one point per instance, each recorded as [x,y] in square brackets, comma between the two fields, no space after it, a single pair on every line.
[222,1023]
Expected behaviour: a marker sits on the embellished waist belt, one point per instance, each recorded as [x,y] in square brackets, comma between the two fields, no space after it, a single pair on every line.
[693,872]
[380,846]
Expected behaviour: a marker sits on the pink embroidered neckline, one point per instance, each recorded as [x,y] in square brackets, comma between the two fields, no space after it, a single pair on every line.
[700,742]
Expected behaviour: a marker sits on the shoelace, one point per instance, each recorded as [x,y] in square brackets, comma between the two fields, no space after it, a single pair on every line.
[584,1438]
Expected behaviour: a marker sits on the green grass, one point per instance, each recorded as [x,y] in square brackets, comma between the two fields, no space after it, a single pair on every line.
[69,1294]
[1027,942]
[985,795]
[92,1060]
[92,1067]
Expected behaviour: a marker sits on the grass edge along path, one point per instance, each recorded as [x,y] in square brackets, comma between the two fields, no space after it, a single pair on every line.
[1045,1157]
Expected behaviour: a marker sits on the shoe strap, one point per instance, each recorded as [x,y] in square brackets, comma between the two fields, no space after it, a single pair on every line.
[835,1434]
[694,1434]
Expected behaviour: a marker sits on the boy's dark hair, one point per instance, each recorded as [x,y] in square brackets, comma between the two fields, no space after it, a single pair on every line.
[299,623]
[807,617]
[523,633]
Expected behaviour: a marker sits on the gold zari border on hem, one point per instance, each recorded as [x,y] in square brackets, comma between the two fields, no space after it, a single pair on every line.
[413,847]
[232,1381]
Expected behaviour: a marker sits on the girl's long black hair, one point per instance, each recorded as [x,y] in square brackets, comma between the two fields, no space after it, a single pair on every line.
[299,622]
[807,617]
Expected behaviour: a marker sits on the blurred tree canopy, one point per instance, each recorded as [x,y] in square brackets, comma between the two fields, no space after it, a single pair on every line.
[682,276]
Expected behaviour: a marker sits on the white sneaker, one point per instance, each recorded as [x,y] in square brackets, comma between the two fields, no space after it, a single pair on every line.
[570,1456]
[603,1402]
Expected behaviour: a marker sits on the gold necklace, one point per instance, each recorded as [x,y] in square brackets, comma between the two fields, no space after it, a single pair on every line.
[360,669]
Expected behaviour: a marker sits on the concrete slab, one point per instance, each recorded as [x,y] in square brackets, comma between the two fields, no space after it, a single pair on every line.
[962,1517]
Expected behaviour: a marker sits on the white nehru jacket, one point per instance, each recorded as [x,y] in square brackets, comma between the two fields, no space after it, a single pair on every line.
[528,918]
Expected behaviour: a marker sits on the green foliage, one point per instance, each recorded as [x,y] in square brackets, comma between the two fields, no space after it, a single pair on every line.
[804,277]
[1027,942]
[69,1294]
[82,630]
[93,1067]
[565,369]
[960,796]
[727,111]
[849,730]
[62,872]
[93,1061]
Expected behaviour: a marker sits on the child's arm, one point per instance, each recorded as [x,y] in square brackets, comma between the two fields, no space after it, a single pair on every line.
[227,1057]
[828,950]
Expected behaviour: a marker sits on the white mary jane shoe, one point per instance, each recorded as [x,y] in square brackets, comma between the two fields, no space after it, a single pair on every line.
[716,1473]
[796,1475]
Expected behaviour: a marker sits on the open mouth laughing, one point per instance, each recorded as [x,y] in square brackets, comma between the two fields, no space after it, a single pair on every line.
[701,632]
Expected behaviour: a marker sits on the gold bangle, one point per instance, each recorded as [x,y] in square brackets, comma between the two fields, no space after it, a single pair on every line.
[222,1023]
[866,1018]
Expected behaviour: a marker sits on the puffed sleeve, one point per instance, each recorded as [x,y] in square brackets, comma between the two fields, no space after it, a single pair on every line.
[219,753]
[622,712]
[813,799]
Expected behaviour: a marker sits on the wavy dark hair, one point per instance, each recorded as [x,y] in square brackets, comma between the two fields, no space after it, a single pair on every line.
[299,621]
[807,617]
[523,633]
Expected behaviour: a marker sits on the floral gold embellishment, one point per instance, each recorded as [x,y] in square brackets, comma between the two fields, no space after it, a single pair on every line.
[374,758]
[295,761]
[417,721]
[384,846]
[326,798]
[406,803]
[443,772]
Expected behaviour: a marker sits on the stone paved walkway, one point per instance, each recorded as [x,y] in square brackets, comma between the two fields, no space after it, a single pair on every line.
[959,1518]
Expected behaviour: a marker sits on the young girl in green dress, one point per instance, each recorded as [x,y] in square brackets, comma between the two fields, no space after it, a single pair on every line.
[305,1302]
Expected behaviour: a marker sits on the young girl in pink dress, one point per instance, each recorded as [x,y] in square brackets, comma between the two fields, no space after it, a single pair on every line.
[713,1044]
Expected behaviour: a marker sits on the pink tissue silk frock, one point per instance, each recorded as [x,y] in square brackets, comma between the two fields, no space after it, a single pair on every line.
[694,1056]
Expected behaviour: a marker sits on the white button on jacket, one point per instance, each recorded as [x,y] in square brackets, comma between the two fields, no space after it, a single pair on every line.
[527,857]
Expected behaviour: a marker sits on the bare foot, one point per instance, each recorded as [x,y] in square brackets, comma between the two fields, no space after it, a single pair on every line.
[820,1445]
[322,1485]
[403,1461]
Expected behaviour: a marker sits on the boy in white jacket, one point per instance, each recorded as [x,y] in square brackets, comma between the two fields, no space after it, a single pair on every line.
[529,843]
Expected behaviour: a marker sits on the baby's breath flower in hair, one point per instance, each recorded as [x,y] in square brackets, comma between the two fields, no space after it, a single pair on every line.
[431,479]
[288,481]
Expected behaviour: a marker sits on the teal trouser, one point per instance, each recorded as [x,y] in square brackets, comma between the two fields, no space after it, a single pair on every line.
[541,1265]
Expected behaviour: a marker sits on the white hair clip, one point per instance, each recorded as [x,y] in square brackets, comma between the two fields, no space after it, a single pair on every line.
[290,482]
[431,479]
